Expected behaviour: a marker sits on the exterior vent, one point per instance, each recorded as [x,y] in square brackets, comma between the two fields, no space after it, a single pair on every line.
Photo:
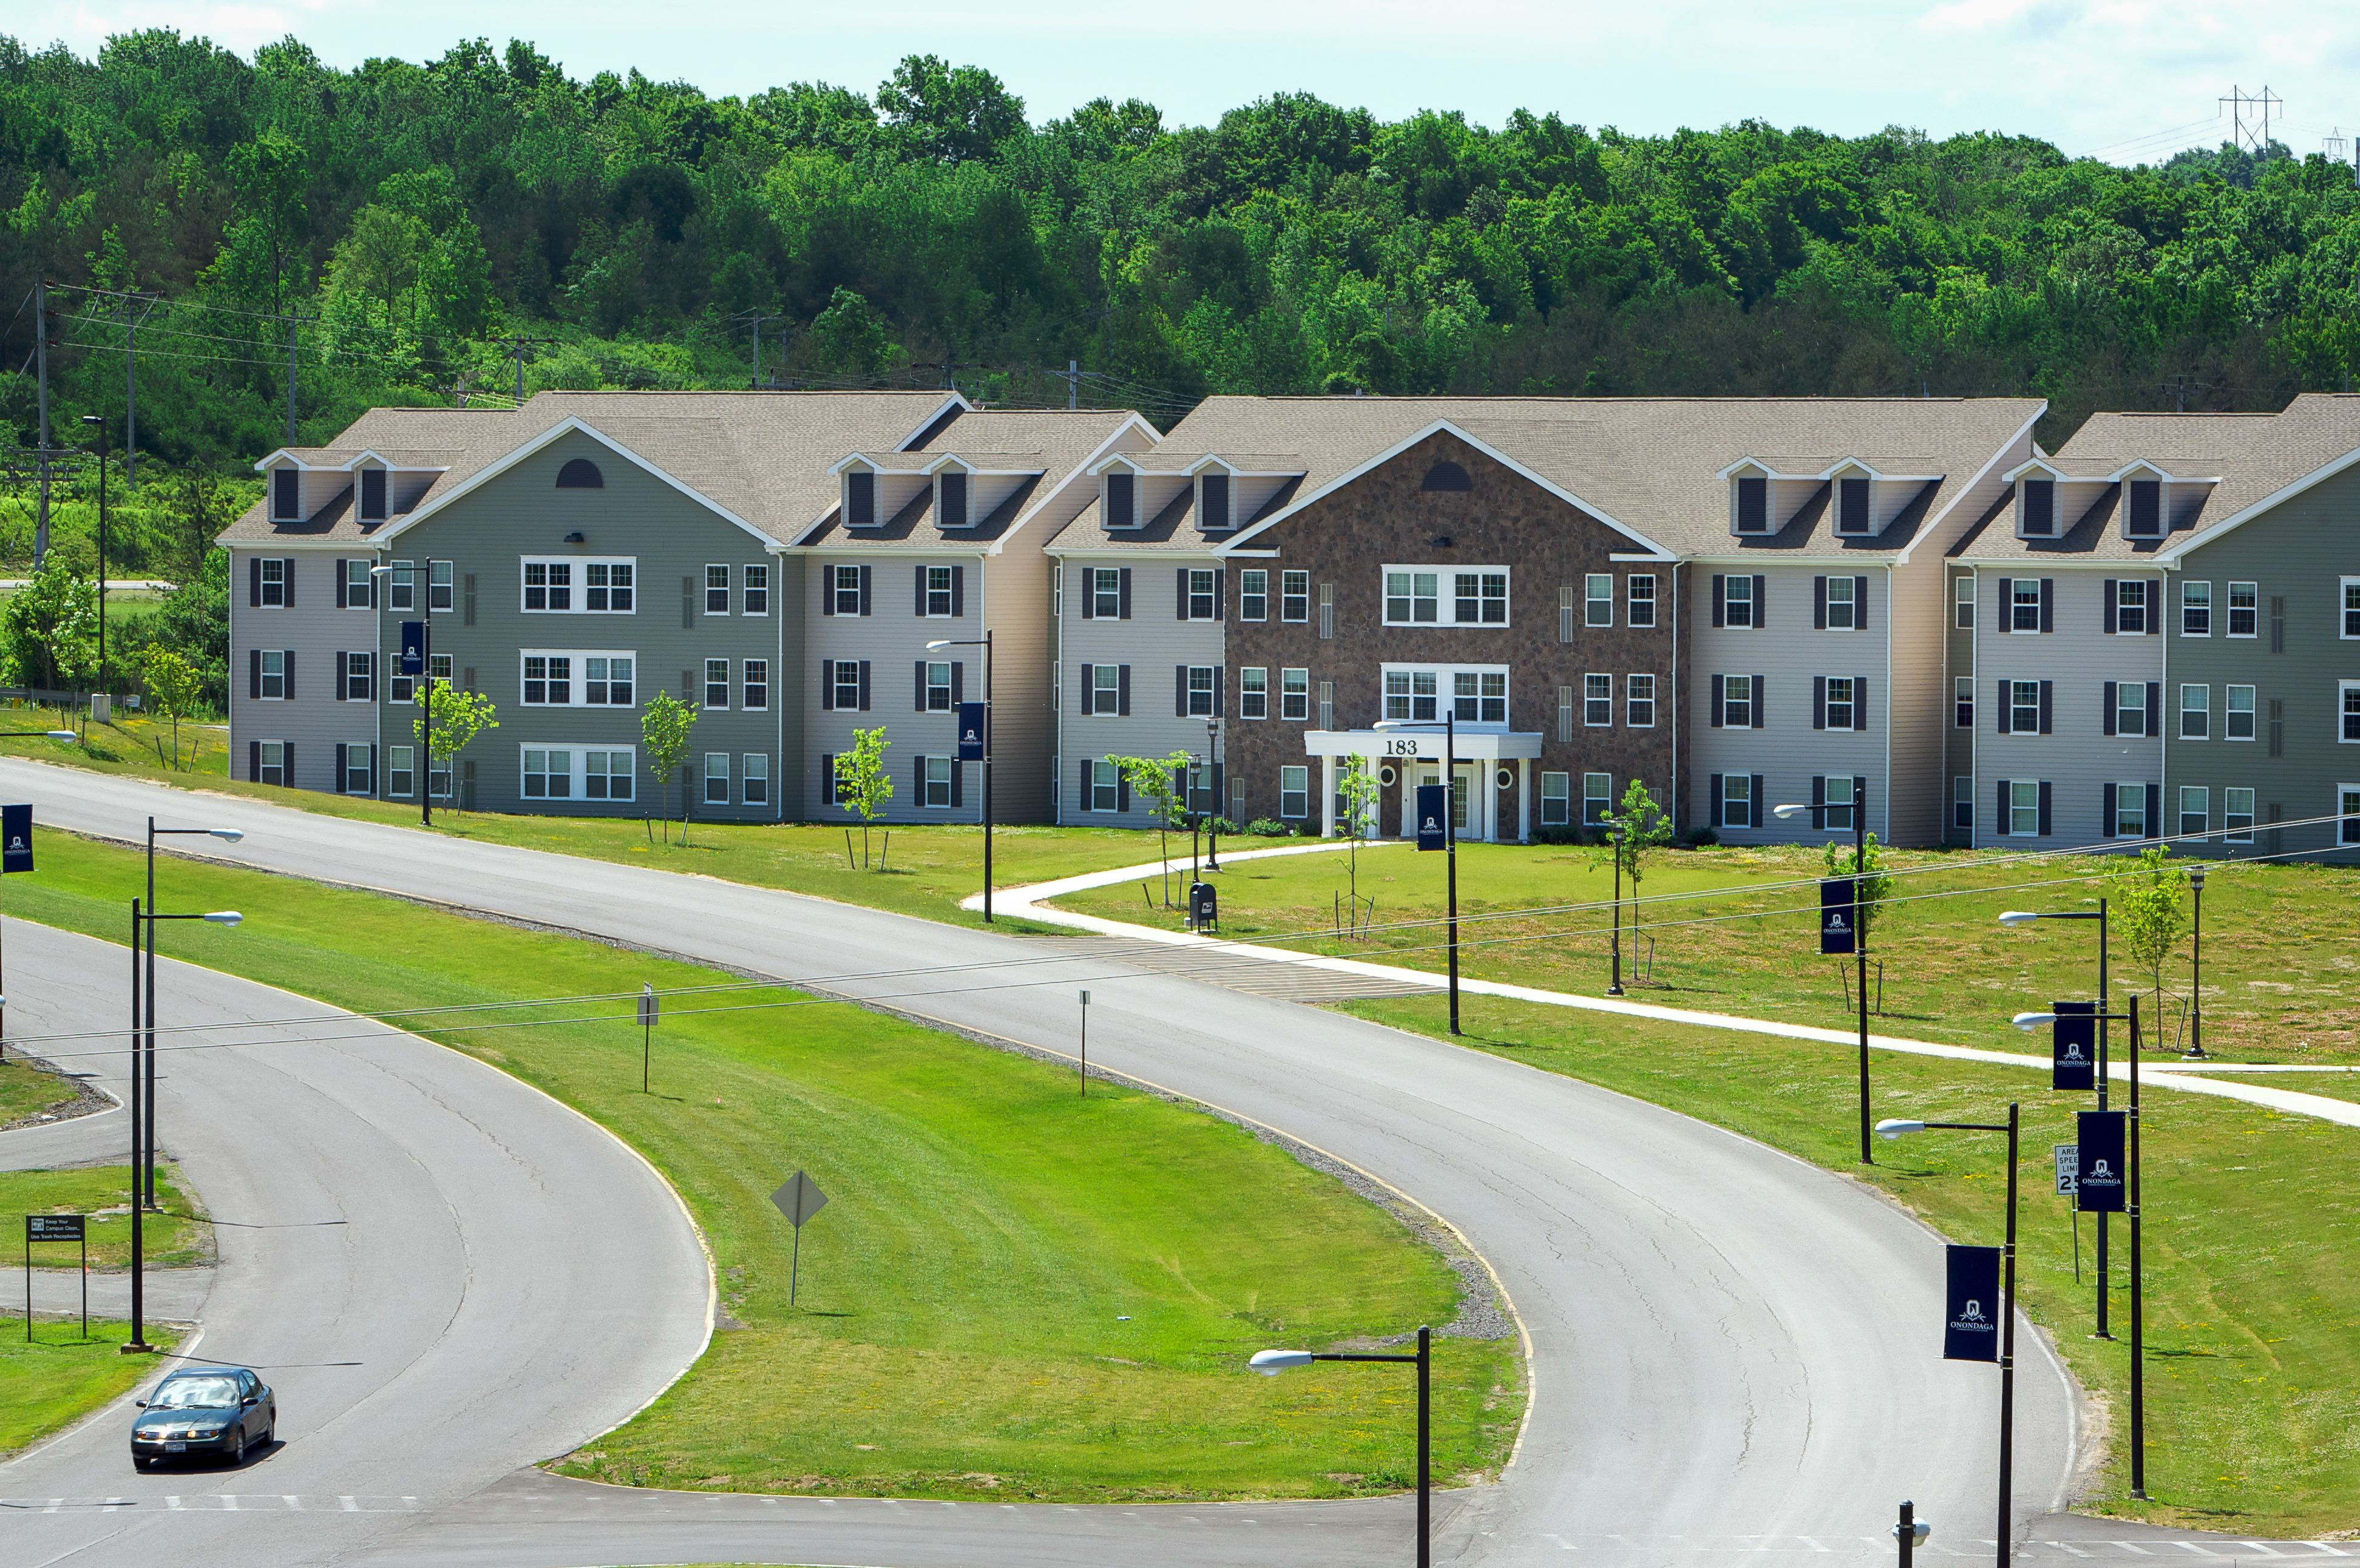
[1447,477]
[581,474]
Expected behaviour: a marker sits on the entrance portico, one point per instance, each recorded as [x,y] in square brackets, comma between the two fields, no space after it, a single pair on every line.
[1404,758]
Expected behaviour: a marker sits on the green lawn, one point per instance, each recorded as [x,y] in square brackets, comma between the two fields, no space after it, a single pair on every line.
[1016,1292]
[2253,1400]
[2282,982]
[61,1375]
[179,1237]
[26,1091]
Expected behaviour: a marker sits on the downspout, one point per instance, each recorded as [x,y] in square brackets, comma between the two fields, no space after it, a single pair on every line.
[1889,704]
[1682,794]
[789,768]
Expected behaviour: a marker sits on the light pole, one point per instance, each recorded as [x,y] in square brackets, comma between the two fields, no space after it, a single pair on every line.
[1449,831]
[143,1041]
[2025,918]
[1271,1363]
[983,642]
[1213,819]
[1858,941]
[1892,1129]
[1614,985]
[2195,1051]
[147,1089]
[98,423]
[2029,1022]
[424,691]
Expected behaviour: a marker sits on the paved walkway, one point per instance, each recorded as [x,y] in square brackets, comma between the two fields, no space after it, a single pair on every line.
[1240,965]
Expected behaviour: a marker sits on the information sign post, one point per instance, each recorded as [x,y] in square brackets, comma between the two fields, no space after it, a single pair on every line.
[55,1227]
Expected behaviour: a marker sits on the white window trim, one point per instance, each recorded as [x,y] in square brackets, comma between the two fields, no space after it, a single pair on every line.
[2344,611]
[706,682]
[1284,596]
[1590,602]
[725,776]
[1263,671]
[2033,629]
[1283,693]
[2210,609]
[2228,602]
[1628,722]
[2345,830]
[2342,688]
[2254,702]
[1859,725]
[577,778]
[764,568]
[2147,721]
[577,682]
[2186,687]
[728,587]
[1587,722]
[577,585]
[1630,599]
[1446,596]
[1444,684]
[2137,791]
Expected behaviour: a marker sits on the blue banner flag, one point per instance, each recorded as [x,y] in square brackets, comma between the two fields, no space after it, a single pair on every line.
[1971,1305]
[1837,915]
[970,732]
[1433,801]
[16,838]
[2073,1045]
[2099,1184]
[413,647]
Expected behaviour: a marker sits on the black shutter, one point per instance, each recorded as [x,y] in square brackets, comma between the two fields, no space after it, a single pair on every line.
[2006,606]
[1761,717]
[1819,698]
[2155,811]
[921,683]
[338,676]
[1087,802]
[2004,823]
[2155,609]
[1179,691]
[1859,702]
[1089,686]
[1760,602]
[864,601]
[372,770]
[864,677]
[958,782]
[1122,790]
[1089,593]
[959,591]
[1716,700]
[1182,610]
[2154,709]
[2047,689]
[287,764]
[254,672]
[1818,603]
[2109,725]
[2047,606]
[827,779]
[827,685]
[1718,809]
[1220,594]
[287,592]
[827,590]
[253,761]
[1753,808]
[344,579]
[368,681]
[918,787]
[1860,604]
[922,591]
[254,582]
[338,787]
[2003,713]
[1819,803]
[1221,706]
[1719,598]
[287,681]
[2106,808]
[2044,808]
[1122,691]
[2114,607]
[958,682]
[1123,596]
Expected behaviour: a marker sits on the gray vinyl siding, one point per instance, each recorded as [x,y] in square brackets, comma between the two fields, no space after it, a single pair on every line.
[1787,653]
[2298,551]
[1153,641]
[892,637]
[2077,757]
[315,631]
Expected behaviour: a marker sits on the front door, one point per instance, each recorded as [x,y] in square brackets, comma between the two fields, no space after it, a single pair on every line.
[1462,796]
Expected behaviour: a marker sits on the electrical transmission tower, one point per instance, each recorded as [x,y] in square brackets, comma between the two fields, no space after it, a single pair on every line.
[516,347]
[2249,118]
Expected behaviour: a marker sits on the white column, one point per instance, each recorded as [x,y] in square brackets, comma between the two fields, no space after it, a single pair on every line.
[1524,799]
[1328,797]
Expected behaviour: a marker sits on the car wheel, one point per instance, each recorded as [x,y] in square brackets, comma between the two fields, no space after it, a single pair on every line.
[238,1448]
[271,1434]
[140,1462]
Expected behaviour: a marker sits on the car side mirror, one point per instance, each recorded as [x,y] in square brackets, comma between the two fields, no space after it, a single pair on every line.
[139,1404]
[250,1400]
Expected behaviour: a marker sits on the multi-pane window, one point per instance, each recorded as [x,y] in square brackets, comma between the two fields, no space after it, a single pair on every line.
[358,587]
[2243,609]
[274,762]
[2130,811]
[1413,598]
[1737,701]
[1556,800]
[1254,693]
[758,590]
[1105,593]
[716,683]
[548,679]
[606,680]
[2195,712]
[2237,815]
[402,589]
[755,686]
[1480,598]
[356,676]
[938,590]
[1294,595]
[716,603]
[1836,796]
[1294,793]
[400,769]
[1737,601]
[548,775]
[754,779]
[848,684]
[1295,693]
[1597,599]
[1962,593]
[2130,605]
[1106,688]
[844,582]
[1203,680]
[1411,696]
[1962,701]
[2240,715]
[2024,705]
[606,586]
[1640,708]
[1106,787]
[2347,807]
[1841,616]
[938,687]
[273,580]
[356,770]
[1253,594]
[938,781]
[607,775]
[1597,700]
[2196,609]
[2023,605]
[2349,701]
[2195,809]
[438,585]
[1737,800]
[548,585]
[1842,709]
[1639,598]
[1597,797]
[274,674]
[717,777]
[2023,809]
[2130,708]
[1201,593]
[1480,696]
[2351,607]
[1962,801]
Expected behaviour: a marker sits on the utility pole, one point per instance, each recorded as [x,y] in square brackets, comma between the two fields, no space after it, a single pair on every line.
[1072,377]
[291,318]
[754,382]
[131,382]
[41,313]
[515,352]
[2177,388]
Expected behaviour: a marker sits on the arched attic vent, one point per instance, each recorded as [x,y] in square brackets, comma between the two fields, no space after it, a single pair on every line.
[581,474]
[1447,477]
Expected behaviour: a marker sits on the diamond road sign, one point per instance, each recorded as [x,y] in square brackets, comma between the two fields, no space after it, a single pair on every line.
[800,1199]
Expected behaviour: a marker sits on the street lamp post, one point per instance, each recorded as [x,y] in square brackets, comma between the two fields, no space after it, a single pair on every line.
[98,423]
[2029,1022]
[422,693]
[1213,818]
[1859,942]
[1892,1129]
[143,1043]
[2025,918]
[1614,984]
[1271,1363]
[144,1084]
[2195,1051]
[983,642]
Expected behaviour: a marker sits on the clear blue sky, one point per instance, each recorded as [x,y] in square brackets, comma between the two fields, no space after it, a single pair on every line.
[2120,77]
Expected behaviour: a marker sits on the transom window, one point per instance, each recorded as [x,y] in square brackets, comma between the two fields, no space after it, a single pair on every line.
[2243,603]
[1294,595]
[1841,607]
[1842,712]
[573,587]
[1597,700]
[1597,599]
[2196,609]
[1641,597]
[2023,605]
[1254,693]
[1105,593]
[2024,705]
[1253,594]
[1640,691]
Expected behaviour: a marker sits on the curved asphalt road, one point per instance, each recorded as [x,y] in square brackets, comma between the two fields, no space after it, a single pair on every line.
[1733,1351]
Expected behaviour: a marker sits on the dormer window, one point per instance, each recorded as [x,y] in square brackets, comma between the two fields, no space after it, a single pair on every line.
[1753,506]
[953,502]
[286,503]
[1213,501]
[372,494]
[1122,504]
[860,499]
[2035,508]
[2146,509]
[1852,506]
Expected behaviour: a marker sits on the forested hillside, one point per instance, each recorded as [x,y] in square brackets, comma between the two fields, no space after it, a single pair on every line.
[415,216]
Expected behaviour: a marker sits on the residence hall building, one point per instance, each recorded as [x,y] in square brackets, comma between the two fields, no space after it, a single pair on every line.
[2166,639]
[572,558]
[1733,601]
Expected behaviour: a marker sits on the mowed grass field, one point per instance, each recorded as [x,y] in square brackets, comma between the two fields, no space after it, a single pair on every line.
[176,1238]
[2281,963]
[2252,1224]
[27,1092]
[58,1376]
[1016,1292]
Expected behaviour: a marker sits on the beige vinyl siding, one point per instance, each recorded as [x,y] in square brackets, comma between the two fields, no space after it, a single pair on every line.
[1920,714]
[1015,596]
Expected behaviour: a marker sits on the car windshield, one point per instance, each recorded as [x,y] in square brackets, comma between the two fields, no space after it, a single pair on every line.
[194,1393]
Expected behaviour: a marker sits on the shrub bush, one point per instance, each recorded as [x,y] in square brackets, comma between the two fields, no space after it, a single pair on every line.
[1268,827]
[1702,838]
